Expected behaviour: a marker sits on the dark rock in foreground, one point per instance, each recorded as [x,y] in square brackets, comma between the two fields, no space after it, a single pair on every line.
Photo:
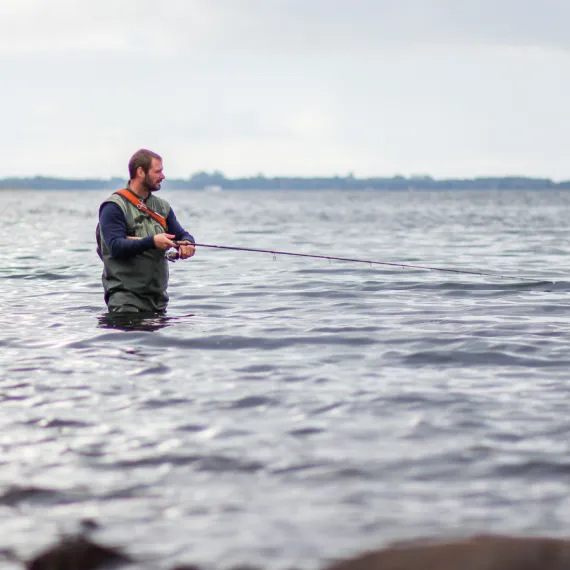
[77,553]
[485,552]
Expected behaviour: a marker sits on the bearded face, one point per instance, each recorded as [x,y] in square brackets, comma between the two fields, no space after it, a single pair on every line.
[154,176]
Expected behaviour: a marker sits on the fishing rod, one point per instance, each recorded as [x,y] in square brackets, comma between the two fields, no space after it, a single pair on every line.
[367,261]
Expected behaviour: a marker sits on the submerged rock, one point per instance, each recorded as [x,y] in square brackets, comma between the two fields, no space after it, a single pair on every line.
[485,552]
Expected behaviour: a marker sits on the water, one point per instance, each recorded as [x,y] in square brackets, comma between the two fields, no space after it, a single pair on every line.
[289,411]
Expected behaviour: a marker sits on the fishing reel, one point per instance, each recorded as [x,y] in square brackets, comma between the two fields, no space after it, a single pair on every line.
[172,254]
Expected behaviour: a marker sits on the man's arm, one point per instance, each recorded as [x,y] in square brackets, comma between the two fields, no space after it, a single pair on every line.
[175,228]
[181,235]
[114,230]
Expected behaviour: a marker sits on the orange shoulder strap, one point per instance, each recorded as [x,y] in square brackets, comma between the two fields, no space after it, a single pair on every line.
[136,201]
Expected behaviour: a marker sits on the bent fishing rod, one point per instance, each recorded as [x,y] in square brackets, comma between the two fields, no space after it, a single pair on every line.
[174,256]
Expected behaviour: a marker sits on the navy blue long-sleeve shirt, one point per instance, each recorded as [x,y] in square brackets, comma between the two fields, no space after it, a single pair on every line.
[114,229]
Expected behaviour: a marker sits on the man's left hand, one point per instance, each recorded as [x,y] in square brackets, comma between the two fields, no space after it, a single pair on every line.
[186,250]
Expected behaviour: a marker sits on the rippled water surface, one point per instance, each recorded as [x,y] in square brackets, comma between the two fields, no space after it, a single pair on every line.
[289,410]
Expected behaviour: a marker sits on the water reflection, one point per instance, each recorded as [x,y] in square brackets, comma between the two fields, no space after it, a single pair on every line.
[137,321]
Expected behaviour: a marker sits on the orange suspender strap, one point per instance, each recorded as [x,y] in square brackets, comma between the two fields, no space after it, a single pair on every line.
[134,199]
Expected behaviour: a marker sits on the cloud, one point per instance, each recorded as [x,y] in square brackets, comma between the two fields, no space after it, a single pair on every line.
[444,87]
[258,27]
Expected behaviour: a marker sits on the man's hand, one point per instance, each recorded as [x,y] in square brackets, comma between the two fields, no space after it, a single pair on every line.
[164,241]
[186,250]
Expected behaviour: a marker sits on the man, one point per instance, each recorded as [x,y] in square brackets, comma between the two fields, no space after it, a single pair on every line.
[135,229]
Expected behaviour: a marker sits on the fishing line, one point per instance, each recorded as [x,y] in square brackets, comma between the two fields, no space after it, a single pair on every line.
[372,262]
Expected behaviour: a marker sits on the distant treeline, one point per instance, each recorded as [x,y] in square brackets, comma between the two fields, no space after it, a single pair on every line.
[217,180]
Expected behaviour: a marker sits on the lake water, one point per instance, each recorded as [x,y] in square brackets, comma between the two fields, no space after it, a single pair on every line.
[289,411]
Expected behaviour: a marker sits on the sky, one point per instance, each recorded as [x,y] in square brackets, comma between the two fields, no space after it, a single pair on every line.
[445,88]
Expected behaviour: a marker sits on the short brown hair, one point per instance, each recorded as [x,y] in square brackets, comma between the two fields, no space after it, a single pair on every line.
[142,158]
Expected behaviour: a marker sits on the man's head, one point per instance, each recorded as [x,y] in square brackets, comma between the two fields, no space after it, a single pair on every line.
[145,167]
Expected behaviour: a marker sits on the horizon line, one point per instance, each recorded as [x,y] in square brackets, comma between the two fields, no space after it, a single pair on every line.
[220,176]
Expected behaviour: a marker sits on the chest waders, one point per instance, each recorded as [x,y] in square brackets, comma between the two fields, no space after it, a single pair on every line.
[139,283]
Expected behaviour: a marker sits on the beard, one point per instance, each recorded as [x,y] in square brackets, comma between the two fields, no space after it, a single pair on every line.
[148,185]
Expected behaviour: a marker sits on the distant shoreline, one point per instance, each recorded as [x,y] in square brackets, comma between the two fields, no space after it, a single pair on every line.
[218,182]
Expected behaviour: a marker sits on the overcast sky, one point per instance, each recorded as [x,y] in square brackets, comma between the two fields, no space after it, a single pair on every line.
[448,88]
